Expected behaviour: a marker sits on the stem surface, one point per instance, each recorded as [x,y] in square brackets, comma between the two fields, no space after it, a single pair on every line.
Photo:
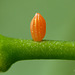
[12,50]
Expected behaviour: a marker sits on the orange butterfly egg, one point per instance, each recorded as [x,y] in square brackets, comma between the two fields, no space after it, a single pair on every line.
[38,27]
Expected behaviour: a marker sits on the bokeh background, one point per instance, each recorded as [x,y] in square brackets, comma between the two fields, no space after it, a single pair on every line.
[15,18]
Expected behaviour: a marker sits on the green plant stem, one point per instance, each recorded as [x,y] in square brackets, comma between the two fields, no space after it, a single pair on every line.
[12,50]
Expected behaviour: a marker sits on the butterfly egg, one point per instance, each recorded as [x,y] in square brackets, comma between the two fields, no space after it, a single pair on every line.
[38,27]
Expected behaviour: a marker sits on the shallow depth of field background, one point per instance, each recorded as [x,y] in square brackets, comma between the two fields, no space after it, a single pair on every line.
[15,18]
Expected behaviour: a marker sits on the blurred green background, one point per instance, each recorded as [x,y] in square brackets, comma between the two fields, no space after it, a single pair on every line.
[15,18]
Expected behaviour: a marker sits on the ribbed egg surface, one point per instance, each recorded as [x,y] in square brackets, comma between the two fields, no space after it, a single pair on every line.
[38,27]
